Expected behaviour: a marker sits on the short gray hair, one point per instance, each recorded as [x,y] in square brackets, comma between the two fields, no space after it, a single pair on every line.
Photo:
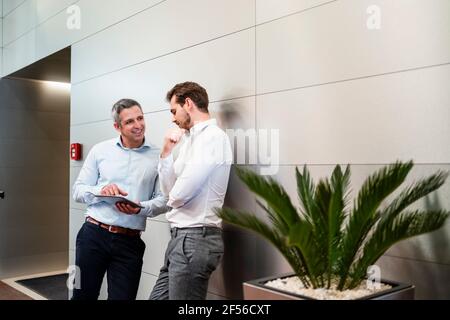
[121,105]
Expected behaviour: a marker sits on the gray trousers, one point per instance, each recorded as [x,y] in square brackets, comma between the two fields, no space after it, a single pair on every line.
[191,256]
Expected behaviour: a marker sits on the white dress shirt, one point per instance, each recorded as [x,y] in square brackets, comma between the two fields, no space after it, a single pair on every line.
[197,181]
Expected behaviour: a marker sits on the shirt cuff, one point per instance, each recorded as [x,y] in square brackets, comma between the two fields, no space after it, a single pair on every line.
[89,196]
[165,163]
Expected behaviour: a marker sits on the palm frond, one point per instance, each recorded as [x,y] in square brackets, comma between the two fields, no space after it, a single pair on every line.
[253,223]
[327,240]
[374,190]
[276,197]
[306,191]
[339,188]
[403,226]
[413,193]
[301,236]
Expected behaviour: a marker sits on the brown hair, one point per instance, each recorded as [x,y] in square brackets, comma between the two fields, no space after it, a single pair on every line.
[190,90]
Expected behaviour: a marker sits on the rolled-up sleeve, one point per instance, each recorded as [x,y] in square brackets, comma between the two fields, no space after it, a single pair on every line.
[157,204]
[167,175]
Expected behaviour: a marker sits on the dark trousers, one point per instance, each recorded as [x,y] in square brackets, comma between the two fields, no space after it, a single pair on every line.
[99,251]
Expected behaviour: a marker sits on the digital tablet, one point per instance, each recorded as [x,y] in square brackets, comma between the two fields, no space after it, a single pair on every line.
[114,199]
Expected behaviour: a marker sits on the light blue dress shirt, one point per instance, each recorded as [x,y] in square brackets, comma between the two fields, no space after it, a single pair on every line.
[135,171]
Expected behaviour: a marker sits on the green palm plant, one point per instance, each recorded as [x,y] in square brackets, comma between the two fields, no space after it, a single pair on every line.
[327,242]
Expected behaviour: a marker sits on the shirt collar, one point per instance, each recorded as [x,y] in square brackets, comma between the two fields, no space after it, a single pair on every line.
[202,125]
[144,145]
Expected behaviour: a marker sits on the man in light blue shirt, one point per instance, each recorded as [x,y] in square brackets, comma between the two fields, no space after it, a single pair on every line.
[109,241]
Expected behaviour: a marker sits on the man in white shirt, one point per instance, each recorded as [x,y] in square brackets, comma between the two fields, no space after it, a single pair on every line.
[196,183]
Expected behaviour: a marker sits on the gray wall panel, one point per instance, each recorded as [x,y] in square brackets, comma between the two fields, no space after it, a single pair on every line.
[148,83]
[165,32]
[90,134]
[77,218]
[53,34]
[10,5]
[147,283]
[332,42]
[267,10]
[430,279]
[156,237]
[74,172]
[374,120]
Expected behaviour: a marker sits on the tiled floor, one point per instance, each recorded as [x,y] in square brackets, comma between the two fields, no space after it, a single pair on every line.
[9,293]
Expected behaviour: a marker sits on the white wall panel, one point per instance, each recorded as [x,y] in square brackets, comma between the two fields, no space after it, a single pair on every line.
[95,16]
[236,117]
[54,35]
[332,42]
[20,53]
[71,257]
[74,172]
[156,237]
[267,10]
[158,31]
[225,67]
[89,135]
[104,290]
[375,120]
[29,15]
[145,286]
[77,218]
[46,9]
[20,21]
[157,125]
[11,5]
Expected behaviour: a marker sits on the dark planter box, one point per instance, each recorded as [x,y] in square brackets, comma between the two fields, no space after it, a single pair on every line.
[256,290]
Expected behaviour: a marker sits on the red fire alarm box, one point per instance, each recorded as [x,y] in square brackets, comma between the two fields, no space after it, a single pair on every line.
[75,151]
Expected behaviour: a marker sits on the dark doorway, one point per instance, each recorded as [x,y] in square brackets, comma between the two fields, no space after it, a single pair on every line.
[34,167]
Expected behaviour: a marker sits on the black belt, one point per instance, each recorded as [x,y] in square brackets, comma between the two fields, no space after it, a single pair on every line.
[203,230]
